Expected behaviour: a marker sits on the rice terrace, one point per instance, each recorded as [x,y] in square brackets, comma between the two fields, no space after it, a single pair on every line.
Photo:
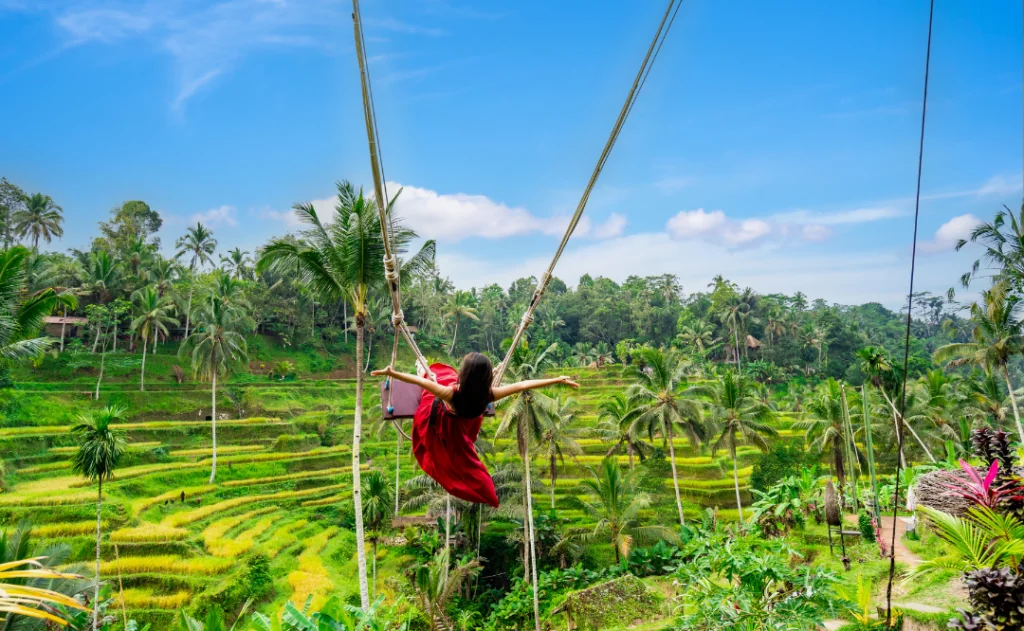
[393,408]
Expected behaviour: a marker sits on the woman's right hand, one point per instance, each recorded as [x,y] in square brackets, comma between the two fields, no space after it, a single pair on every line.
[567,381]
[384,372]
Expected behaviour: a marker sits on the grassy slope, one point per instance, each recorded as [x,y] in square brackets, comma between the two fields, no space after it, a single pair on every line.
[266,498]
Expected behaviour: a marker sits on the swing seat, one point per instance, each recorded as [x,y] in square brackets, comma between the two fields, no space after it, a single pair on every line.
[405,398]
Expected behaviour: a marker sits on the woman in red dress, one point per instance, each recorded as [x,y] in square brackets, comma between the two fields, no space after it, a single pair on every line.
[448,419]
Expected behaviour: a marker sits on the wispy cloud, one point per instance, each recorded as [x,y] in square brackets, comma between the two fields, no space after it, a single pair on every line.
[950,233]
[221,216]
[205,40]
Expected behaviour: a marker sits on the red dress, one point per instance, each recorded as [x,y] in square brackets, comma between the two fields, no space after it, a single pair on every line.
[443,445]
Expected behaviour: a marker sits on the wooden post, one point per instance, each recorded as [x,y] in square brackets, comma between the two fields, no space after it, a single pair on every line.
[851,447]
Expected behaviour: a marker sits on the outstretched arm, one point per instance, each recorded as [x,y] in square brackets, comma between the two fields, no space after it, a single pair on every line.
[500,392]
[441,392]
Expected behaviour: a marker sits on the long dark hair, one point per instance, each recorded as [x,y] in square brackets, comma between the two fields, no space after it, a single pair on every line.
[471,397]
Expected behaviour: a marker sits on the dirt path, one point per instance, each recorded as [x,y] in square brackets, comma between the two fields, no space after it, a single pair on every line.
[903,554]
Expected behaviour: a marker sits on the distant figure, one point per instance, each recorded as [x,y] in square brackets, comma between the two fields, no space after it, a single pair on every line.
[166,502]
[183,497]
[198,501]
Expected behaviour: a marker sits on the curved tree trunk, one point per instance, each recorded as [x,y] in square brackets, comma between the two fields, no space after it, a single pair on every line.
[532,542]
[447,536]
[213,393]
[96,592]
[675,474]
[357,496]
[1013,402]
[142,380]
[455,336]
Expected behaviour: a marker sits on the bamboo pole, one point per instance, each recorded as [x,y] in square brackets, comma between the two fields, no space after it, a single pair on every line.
[851,448]
[871,453]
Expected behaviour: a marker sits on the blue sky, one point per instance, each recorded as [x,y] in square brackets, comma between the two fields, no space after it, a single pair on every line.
[774,143]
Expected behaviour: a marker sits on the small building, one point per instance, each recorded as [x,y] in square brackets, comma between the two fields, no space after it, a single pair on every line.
[72,326]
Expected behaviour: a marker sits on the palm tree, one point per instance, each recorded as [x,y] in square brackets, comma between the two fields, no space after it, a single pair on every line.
[825,427]
[215,347]
[199,244]
[102,275]
[736,409]
[616,510]
[377,498]
[663,403]
[342,262]
[23,320]
[617,423]
[558,438]
[437,584]
[528,413]
[998,335]
[1004,249]
[153,319]
[461,305]
[100,448]
[39,217]
[700,335]
[888,380]
[237,263]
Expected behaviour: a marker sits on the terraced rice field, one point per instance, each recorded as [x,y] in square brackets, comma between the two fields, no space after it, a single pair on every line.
[284,504]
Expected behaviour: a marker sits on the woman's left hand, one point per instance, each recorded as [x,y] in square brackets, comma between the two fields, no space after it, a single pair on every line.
[567,381]
[384,372]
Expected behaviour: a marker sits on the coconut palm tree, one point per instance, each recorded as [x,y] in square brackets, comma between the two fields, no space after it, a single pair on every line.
[888,381]
[237,263]
[198,244]
[100,448]
[617,424]
[102,275]
[824,426]
[528,413]
[341,261]
[998,335]
[39,217]
[735,409]
[699,334]
[23,319]
[615,509]
[558,438]
[377,498]
[664,402]
[215,347]
[1003,250]
[438,582]
[153,319]
[461,305]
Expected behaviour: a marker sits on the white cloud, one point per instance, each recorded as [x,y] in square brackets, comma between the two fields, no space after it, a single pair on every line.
[816,232]
[612,227]
[846,277]
[286,217]
[222,216]
[715,227]
[857,215]
[950,233]
[459,216]
[999,185]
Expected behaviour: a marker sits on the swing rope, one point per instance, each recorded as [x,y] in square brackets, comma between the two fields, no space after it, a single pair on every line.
[641,77]
[910,304]
[392,266]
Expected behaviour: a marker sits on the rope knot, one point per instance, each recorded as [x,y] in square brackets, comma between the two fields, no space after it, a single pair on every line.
[391,268]
[398,318]
[527,319]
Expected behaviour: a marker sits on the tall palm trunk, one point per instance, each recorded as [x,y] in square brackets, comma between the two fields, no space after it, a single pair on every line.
[447,535]
[1013,402]
[96,592]
[455,336]
[629,450]
[103,360]
[344,307]
[142,379]
[114,350]
[675,474]
[357,496]
[398,470]
[213,391]
[63,325]
[188,309]
[554,478]
[531,540]
[374,544]
[736,479]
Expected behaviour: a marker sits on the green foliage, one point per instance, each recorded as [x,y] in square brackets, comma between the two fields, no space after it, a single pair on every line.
[866,527]
[782,460]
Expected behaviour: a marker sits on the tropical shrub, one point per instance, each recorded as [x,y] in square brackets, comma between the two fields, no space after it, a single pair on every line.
[657,560]
[867,527]
[997,601]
